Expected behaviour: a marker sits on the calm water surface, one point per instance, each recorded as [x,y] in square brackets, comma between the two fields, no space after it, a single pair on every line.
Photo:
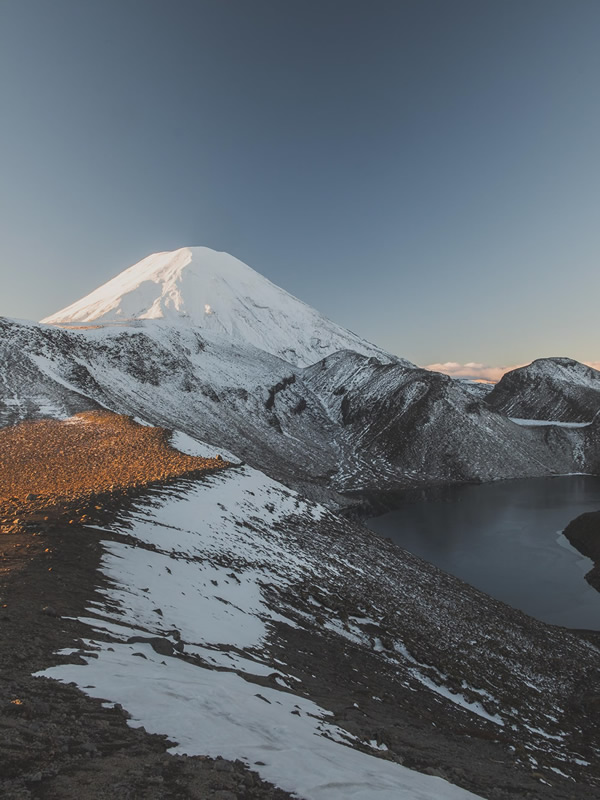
[506,539]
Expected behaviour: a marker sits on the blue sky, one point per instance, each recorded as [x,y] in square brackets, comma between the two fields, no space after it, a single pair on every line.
[424,172]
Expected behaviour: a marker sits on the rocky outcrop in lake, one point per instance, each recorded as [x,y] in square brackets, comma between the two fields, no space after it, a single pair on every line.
[584,534]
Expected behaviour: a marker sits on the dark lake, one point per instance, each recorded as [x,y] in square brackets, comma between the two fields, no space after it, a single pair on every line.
[506,539]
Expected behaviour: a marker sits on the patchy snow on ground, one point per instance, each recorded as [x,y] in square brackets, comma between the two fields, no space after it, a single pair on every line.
[193,447]
[193,583]
[220,713]
[531,423]
[456,697]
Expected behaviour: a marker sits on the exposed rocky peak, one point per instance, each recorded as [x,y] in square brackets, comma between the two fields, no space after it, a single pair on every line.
[556,389]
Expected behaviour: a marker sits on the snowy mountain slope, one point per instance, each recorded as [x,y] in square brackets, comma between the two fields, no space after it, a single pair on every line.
[208,346]
[556,389]
[430,424]
[244,621]
[204,386]
[348,422]
[26,391]
[479,389]
[220,294]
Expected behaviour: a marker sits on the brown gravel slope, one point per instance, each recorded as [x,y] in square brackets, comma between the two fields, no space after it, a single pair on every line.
[51,463]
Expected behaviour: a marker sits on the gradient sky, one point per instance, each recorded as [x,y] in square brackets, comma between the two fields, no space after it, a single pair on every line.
[424,172]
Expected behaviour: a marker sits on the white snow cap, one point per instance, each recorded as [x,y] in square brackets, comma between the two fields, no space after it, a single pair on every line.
[216,291]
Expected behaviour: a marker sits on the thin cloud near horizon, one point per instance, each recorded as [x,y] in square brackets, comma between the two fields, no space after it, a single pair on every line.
[483,372]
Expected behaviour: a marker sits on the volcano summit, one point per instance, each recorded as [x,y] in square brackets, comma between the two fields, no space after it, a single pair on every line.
[220,294]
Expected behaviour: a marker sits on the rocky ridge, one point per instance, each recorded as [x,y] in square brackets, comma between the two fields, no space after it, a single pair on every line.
[348,422]
[52,469]
[57,742]
[556,389]
[358,642]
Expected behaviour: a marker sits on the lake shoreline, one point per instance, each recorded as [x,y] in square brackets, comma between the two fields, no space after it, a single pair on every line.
[503,537]
[584,534]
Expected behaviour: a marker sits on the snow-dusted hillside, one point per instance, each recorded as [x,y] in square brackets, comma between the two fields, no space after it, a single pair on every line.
[196,340]
[243,621]
[348,422]
[220,294]
[427,427]
[549,389]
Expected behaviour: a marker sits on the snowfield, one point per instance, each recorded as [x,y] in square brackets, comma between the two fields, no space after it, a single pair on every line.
[220,713]
[537,422]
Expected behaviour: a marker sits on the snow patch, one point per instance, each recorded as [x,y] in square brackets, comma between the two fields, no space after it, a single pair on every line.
[194,447]
[531,423]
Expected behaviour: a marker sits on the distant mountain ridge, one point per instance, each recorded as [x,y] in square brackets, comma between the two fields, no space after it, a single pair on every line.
[347,423]
[218,293]
[557,389]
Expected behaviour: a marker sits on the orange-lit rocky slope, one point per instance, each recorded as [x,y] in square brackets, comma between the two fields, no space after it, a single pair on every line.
[51,468]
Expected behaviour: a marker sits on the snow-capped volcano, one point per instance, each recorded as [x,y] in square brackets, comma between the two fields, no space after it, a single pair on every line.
[217,292]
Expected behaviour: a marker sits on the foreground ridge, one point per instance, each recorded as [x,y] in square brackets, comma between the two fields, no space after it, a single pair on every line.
[234,608]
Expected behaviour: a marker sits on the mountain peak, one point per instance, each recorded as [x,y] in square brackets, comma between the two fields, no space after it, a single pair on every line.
[217,292]
[160,286]
[172,264]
